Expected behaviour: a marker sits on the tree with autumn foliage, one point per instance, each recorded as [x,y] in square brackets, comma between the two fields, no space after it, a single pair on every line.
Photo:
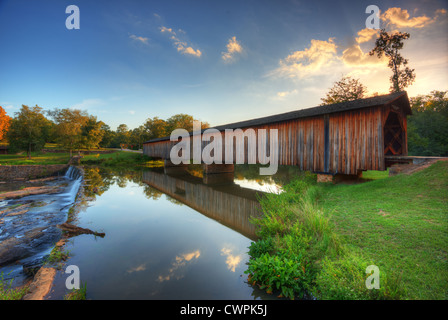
[5,122]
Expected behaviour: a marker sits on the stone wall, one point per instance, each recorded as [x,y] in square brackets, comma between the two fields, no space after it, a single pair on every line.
[26,172]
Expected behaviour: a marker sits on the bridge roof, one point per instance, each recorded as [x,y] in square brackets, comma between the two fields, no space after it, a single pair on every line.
[400,98]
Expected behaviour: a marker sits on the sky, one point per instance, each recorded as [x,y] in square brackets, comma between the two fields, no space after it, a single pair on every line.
[220,61]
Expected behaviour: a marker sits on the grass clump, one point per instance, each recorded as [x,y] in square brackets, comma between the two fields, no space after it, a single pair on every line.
[77,294]
[7,292]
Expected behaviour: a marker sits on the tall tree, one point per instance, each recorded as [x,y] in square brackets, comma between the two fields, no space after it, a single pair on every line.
[29,130]
[346,89]
[389,45]
[69,124]
[5,121]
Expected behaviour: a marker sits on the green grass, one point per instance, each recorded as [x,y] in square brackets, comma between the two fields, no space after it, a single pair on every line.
[36,159]
[9,293]
[77,294]
[399,224]
[120,158]
[115,159]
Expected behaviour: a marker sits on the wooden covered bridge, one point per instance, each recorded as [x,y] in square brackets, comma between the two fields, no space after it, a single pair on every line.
[343,138]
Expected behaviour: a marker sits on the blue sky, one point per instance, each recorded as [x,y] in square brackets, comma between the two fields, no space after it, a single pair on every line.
[220,61]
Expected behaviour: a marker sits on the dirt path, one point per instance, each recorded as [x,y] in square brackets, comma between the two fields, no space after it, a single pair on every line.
[412,168]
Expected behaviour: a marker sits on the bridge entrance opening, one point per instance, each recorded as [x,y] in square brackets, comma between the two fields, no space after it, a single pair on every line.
[393,135]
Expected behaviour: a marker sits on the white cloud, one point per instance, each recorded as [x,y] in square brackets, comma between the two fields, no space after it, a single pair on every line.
[354,56]
[401,18]
[233,48]
[89,104]
[139,39]
[309,62]
[181,46]
[180,261]
[366,34]
[283,94]
[232,260]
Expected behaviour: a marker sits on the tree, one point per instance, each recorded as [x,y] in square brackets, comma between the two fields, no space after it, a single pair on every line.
[122,135]
[69,124]
[108,137]
[346,89]
[29,130]
[428,125]
[155,128]
[389,45]
[182,121]
[92,133]
[137,137]
[5,122]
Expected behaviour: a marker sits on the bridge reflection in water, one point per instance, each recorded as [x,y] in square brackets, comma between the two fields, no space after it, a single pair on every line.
[227,203]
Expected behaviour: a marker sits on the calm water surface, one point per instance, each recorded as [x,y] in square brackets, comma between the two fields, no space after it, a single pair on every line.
[167,236]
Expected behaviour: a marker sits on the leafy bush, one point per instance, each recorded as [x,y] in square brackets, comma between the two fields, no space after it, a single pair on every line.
[288,274]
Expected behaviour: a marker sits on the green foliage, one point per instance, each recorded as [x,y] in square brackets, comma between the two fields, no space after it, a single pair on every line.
[346,89]
[29,130]
[7,292]
[77,294]
[288,274]
[345,279]
[428,125]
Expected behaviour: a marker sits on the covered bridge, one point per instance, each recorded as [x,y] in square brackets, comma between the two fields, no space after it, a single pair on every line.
[343,138]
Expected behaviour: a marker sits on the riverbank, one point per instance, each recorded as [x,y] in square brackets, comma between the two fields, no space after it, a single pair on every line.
[31,215]
[333,232]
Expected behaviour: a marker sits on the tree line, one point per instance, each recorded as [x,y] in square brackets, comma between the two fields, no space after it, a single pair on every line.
[72,129]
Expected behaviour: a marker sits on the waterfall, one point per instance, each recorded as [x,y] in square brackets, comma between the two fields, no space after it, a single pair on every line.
[75,175]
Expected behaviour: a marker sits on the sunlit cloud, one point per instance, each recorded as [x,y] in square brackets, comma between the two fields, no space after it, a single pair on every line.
[139,268]
[283,94]
[180,261]
[233,48]
[354,57]
[139,39]
[232,260]
[181,46]
[401,18]
[366,35]
[309,62]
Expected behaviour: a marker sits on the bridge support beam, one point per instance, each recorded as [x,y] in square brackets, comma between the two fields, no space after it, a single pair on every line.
[171,168]
[325,177]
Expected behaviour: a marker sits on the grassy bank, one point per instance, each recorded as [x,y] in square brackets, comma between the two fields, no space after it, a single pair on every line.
[115,159]
[317,240]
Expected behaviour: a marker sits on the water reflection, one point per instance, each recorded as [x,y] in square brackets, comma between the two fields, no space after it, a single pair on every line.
[168,237]
[230,205]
